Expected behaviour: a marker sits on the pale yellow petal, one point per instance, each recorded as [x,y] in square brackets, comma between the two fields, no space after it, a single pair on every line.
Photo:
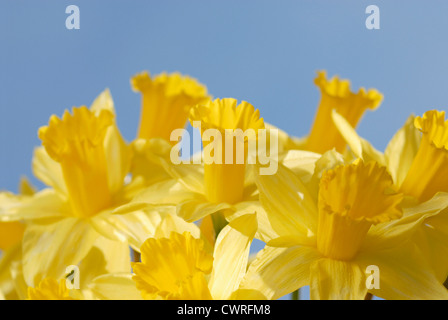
[9,257]
[44,204]
[134,227]
[48,249]
[231,255]
[106,256]
[278,271]
[404,274]
[118,286]
[173,223]
[391,234]
[290,207]
[118,158]
[401,150]
[20,286]
[158,153]
[337,280]
[360,147]
[48,171]
[104,101]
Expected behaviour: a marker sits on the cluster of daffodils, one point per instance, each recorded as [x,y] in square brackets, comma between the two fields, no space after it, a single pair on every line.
[132,220]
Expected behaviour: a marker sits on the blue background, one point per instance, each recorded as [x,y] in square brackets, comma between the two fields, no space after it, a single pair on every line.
[264,52]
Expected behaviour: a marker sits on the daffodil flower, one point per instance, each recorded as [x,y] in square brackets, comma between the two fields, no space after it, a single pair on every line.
[50,289]
[84,161]
[335,95]
[182,266]
[417,159]
[205,188]
[329,243]
[166,103]
[11,234]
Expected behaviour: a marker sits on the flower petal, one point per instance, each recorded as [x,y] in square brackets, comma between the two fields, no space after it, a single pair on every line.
[391,234]
[117,286]
[337,280]
[231,256]
[401,150]
[276,272]
[48,249]
[44,204]
[404,274]
[48,171]
[360,147]
[290,207]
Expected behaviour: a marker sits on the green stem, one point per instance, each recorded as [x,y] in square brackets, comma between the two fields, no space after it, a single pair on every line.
[295,295]
[219,222]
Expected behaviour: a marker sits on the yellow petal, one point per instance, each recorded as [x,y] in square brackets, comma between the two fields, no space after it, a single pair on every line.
[290,207]
[352,198]
[148,159]
[336,95]
[234,130]
[117,286]
[194,288]
[104,101]
[16,270]
[231,256]
[404,274]
[11,233]
[264,231]
[279,271]
[431,238]
[49,289]
[134,227]
[166,101]
[48,249]
[106,256]
[48,171]
[7,286]
[25,187]
[168,264]
[173,223]
[337,280]
[360,147]
[44,204]
[157,155]
[76,142]
[428,170]
[401,150]
[395,233]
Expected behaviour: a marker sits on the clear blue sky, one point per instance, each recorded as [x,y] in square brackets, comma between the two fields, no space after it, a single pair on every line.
[265,52]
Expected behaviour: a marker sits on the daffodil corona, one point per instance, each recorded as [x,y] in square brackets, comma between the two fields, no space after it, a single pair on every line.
[351,199]
[428,173]
[166,102]
[336,95]
[76,142]
[224,181]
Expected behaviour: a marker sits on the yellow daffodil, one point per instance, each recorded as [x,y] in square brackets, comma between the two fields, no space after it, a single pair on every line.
[417,159]
[181,266]
[50,289]
[84,161]
[335,95]
[11,234]
[166,102]
[329,243]
[205,187]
